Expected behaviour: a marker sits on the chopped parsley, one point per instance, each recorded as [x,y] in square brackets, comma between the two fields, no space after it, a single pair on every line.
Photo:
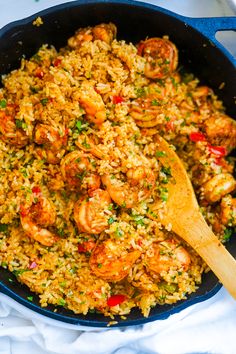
[227,234]
[61,302]
[34,89]
[118,232]
[160,153]
[18,272]
[138,220]
[166,170]
[85,144]
[81,126]
[99,265]
[110,220]
[30,298]
[37,58]
[81,175]
[44,101]
[155,103]
[3,103]
[20,124]
[3,228]
[163,194]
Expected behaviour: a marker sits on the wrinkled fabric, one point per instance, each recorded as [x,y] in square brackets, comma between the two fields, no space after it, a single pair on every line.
[207,327]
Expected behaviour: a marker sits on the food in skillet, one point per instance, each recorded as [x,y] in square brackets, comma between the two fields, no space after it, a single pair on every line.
[80,172]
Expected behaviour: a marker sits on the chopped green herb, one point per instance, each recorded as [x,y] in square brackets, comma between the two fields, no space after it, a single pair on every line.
[3,228]
[110,207]
[24,172]
[167,118]
[140,92]
[30,298]
[227,234]
[166,170]
[10,280]
[186,78]
[62,284]
[123,205]
[44,101]
[18,272]
[20,124]
[61,232]
[118,232]
[110,220]
[164,194]
[34,89]
[99,265]
[85,144]
[160,153]
[61,302]
[3,103]
[138,220]
[4,264]
[155,103]
[37,58]
[81,175]
[81,125]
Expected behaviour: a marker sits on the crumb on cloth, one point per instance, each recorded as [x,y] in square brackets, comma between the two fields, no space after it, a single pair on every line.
[38,22]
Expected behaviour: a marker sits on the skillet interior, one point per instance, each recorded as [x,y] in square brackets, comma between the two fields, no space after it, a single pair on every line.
[135,21]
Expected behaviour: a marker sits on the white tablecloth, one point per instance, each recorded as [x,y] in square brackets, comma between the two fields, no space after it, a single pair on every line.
[208,327]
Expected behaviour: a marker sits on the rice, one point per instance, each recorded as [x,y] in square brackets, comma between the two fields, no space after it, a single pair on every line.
[76,196]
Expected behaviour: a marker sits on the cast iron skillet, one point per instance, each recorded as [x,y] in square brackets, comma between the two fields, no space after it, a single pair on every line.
[199,52]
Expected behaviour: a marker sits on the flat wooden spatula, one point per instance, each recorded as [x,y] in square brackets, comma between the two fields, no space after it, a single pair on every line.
[183,213]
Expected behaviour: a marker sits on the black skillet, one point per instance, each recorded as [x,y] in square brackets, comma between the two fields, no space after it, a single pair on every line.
[199,52]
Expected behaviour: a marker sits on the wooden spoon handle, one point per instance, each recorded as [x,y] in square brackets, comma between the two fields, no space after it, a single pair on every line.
[207,245]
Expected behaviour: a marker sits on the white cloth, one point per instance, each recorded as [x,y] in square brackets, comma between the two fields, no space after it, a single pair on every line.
[207,327]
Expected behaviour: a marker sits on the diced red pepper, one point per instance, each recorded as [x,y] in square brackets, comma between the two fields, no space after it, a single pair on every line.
[81,248]
[36,190]
[115,300]
[57,62]
[118,99]
[218,151]
[197,136]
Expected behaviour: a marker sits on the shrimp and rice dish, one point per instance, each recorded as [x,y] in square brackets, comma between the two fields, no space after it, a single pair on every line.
[80,172]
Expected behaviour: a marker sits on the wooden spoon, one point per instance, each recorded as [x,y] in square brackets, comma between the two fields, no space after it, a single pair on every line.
[183,213]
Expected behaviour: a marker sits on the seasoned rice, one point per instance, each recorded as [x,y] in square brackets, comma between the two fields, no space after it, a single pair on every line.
[48,112]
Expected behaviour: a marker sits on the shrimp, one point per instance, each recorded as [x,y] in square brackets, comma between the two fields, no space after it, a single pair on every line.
[80,36]
[161,57]
[89,143]
[106,32]
[166,255]
[111,261]
[218,186]
[139,186]
[79,171]
[228,210]
[53,142]
[92,103]
[90,214]
[221,130]
[39,212]
[147,112]
[151,108]
[10,132]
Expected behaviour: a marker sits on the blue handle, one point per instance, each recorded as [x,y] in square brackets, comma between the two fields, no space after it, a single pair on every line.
[209,27]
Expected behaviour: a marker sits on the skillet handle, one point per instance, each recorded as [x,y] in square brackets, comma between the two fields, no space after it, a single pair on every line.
[208,26]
